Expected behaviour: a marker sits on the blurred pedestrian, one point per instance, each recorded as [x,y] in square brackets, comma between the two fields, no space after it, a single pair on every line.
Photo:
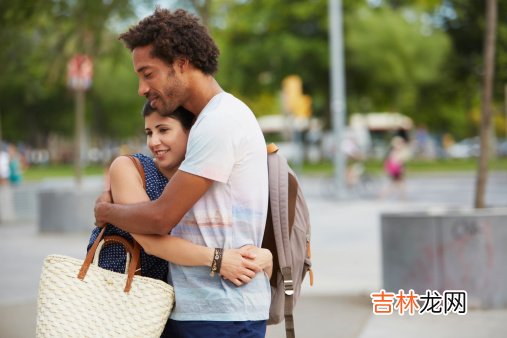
[355,159]
[4,166]
[422,142]
[394,166]
[447,142]
[15,165]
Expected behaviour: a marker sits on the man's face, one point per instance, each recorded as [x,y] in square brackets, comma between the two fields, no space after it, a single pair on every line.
[158,82]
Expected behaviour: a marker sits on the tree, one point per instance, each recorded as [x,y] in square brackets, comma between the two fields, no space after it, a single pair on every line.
[39,38]
[465,23]
[489,63]
[264,41]
[393,59]
[390,57]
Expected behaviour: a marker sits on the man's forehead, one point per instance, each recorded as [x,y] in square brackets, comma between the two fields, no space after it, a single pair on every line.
[143,59]
[141,65]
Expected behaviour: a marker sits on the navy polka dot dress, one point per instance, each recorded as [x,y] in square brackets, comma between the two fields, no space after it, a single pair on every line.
[113,257]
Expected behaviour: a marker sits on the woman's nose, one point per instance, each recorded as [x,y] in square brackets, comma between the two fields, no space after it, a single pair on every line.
[154,140]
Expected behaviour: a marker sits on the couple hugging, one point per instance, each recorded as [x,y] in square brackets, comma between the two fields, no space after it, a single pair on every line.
[205,191]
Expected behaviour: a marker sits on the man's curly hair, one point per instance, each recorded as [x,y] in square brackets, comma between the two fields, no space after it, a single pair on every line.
[172,35]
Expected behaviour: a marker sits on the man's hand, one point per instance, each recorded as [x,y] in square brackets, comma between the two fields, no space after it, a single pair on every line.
[238,266]
[101,202]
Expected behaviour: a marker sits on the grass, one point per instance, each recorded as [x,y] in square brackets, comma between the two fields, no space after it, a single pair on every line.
[414,166]
[37,173]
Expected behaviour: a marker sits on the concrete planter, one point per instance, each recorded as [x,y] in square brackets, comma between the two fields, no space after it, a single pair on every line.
[66,210]
[447,250]
[6,205]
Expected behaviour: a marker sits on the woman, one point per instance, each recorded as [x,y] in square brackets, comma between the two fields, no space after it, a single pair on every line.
[394,166]
[167,140]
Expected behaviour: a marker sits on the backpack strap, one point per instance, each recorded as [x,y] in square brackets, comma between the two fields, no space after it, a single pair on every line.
[278,183]
[272,148]
[287,271]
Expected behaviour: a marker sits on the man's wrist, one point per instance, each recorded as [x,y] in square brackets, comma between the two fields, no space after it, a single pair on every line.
[103,211]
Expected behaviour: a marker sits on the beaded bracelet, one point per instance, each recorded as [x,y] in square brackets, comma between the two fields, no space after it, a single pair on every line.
[217,261]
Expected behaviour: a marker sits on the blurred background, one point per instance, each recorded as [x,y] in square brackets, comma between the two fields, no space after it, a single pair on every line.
[417,59]
[413,70]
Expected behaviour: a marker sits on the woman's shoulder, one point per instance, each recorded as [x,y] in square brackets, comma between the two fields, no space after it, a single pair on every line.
[125,159]
[142,157]
[147,162]
[122,165]
[149,166]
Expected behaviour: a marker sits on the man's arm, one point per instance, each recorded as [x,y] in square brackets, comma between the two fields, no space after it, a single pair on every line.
[161,215]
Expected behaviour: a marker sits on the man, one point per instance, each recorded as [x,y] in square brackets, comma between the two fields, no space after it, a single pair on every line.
[219,195]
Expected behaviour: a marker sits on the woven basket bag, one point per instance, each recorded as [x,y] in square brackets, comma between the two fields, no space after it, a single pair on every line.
[79,299]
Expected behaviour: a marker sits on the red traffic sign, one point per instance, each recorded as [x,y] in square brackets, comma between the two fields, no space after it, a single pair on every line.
[80,72]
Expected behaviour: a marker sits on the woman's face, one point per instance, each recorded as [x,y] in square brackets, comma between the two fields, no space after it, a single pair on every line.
[167,140]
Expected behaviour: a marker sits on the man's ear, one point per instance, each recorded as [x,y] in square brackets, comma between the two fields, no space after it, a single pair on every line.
[182,64]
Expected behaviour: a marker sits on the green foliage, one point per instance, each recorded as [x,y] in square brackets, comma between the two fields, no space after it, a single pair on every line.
[465,66]
[264,41]
[114,106]
[39,37]
[390,58]
[420,57]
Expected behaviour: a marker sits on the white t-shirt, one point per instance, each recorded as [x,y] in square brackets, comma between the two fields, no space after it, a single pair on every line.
[225,145]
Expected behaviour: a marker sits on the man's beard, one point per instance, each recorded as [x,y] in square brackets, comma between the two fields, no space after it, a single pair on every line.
[166,108]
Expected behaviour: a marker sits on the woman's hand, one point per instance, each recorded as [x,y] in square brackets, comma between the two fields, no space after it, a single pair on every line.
[241,265]
[238,266]
[260,256]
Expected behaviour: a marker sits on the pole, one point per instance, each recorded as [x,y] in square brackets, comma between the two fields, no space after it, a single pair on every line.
[0,127]
[505,108]
[338,104]
[78,132]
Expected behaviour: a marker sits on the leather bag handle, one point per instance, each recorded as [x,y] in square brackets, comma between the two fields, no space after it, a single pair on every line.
[133,250]
[111,240]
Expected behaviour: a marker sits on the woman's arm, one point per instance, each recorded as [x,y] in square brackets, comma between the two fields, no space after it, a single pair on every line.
[237,265]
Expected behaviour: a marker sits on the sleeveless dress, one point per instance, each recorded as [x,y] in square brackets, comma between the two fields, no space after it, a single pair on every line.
[113,257]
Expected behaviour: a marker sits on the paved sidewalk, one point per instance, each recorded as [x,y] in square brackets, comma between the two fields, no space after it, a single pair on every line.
[346,252]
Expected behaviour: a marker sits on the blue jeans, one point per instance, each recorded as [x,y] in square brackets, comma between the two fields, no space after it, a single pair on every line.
[215,329]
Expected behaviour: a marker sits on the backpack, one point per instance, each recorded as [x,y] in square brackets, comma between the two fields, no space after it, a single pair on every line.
[287,236]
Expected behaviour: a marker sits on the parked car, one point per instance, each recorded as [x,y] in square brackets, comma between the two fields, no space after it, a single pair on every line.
[469,147]
[501,148]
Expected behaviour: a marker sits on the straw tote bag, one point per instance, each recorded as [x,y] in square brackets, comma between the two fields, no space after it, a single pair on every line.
[80,299]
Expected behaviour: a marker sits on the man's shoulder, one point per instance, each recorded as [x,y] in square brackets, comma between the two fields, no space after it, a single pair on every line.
[228,103]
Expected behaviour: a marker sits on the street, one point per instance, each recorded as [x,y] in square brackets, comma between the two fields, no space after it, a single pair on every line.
[346,250]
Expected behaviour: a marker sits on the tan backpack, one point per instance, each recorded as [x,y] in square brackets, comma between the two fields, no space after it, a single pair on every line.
[287,236]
